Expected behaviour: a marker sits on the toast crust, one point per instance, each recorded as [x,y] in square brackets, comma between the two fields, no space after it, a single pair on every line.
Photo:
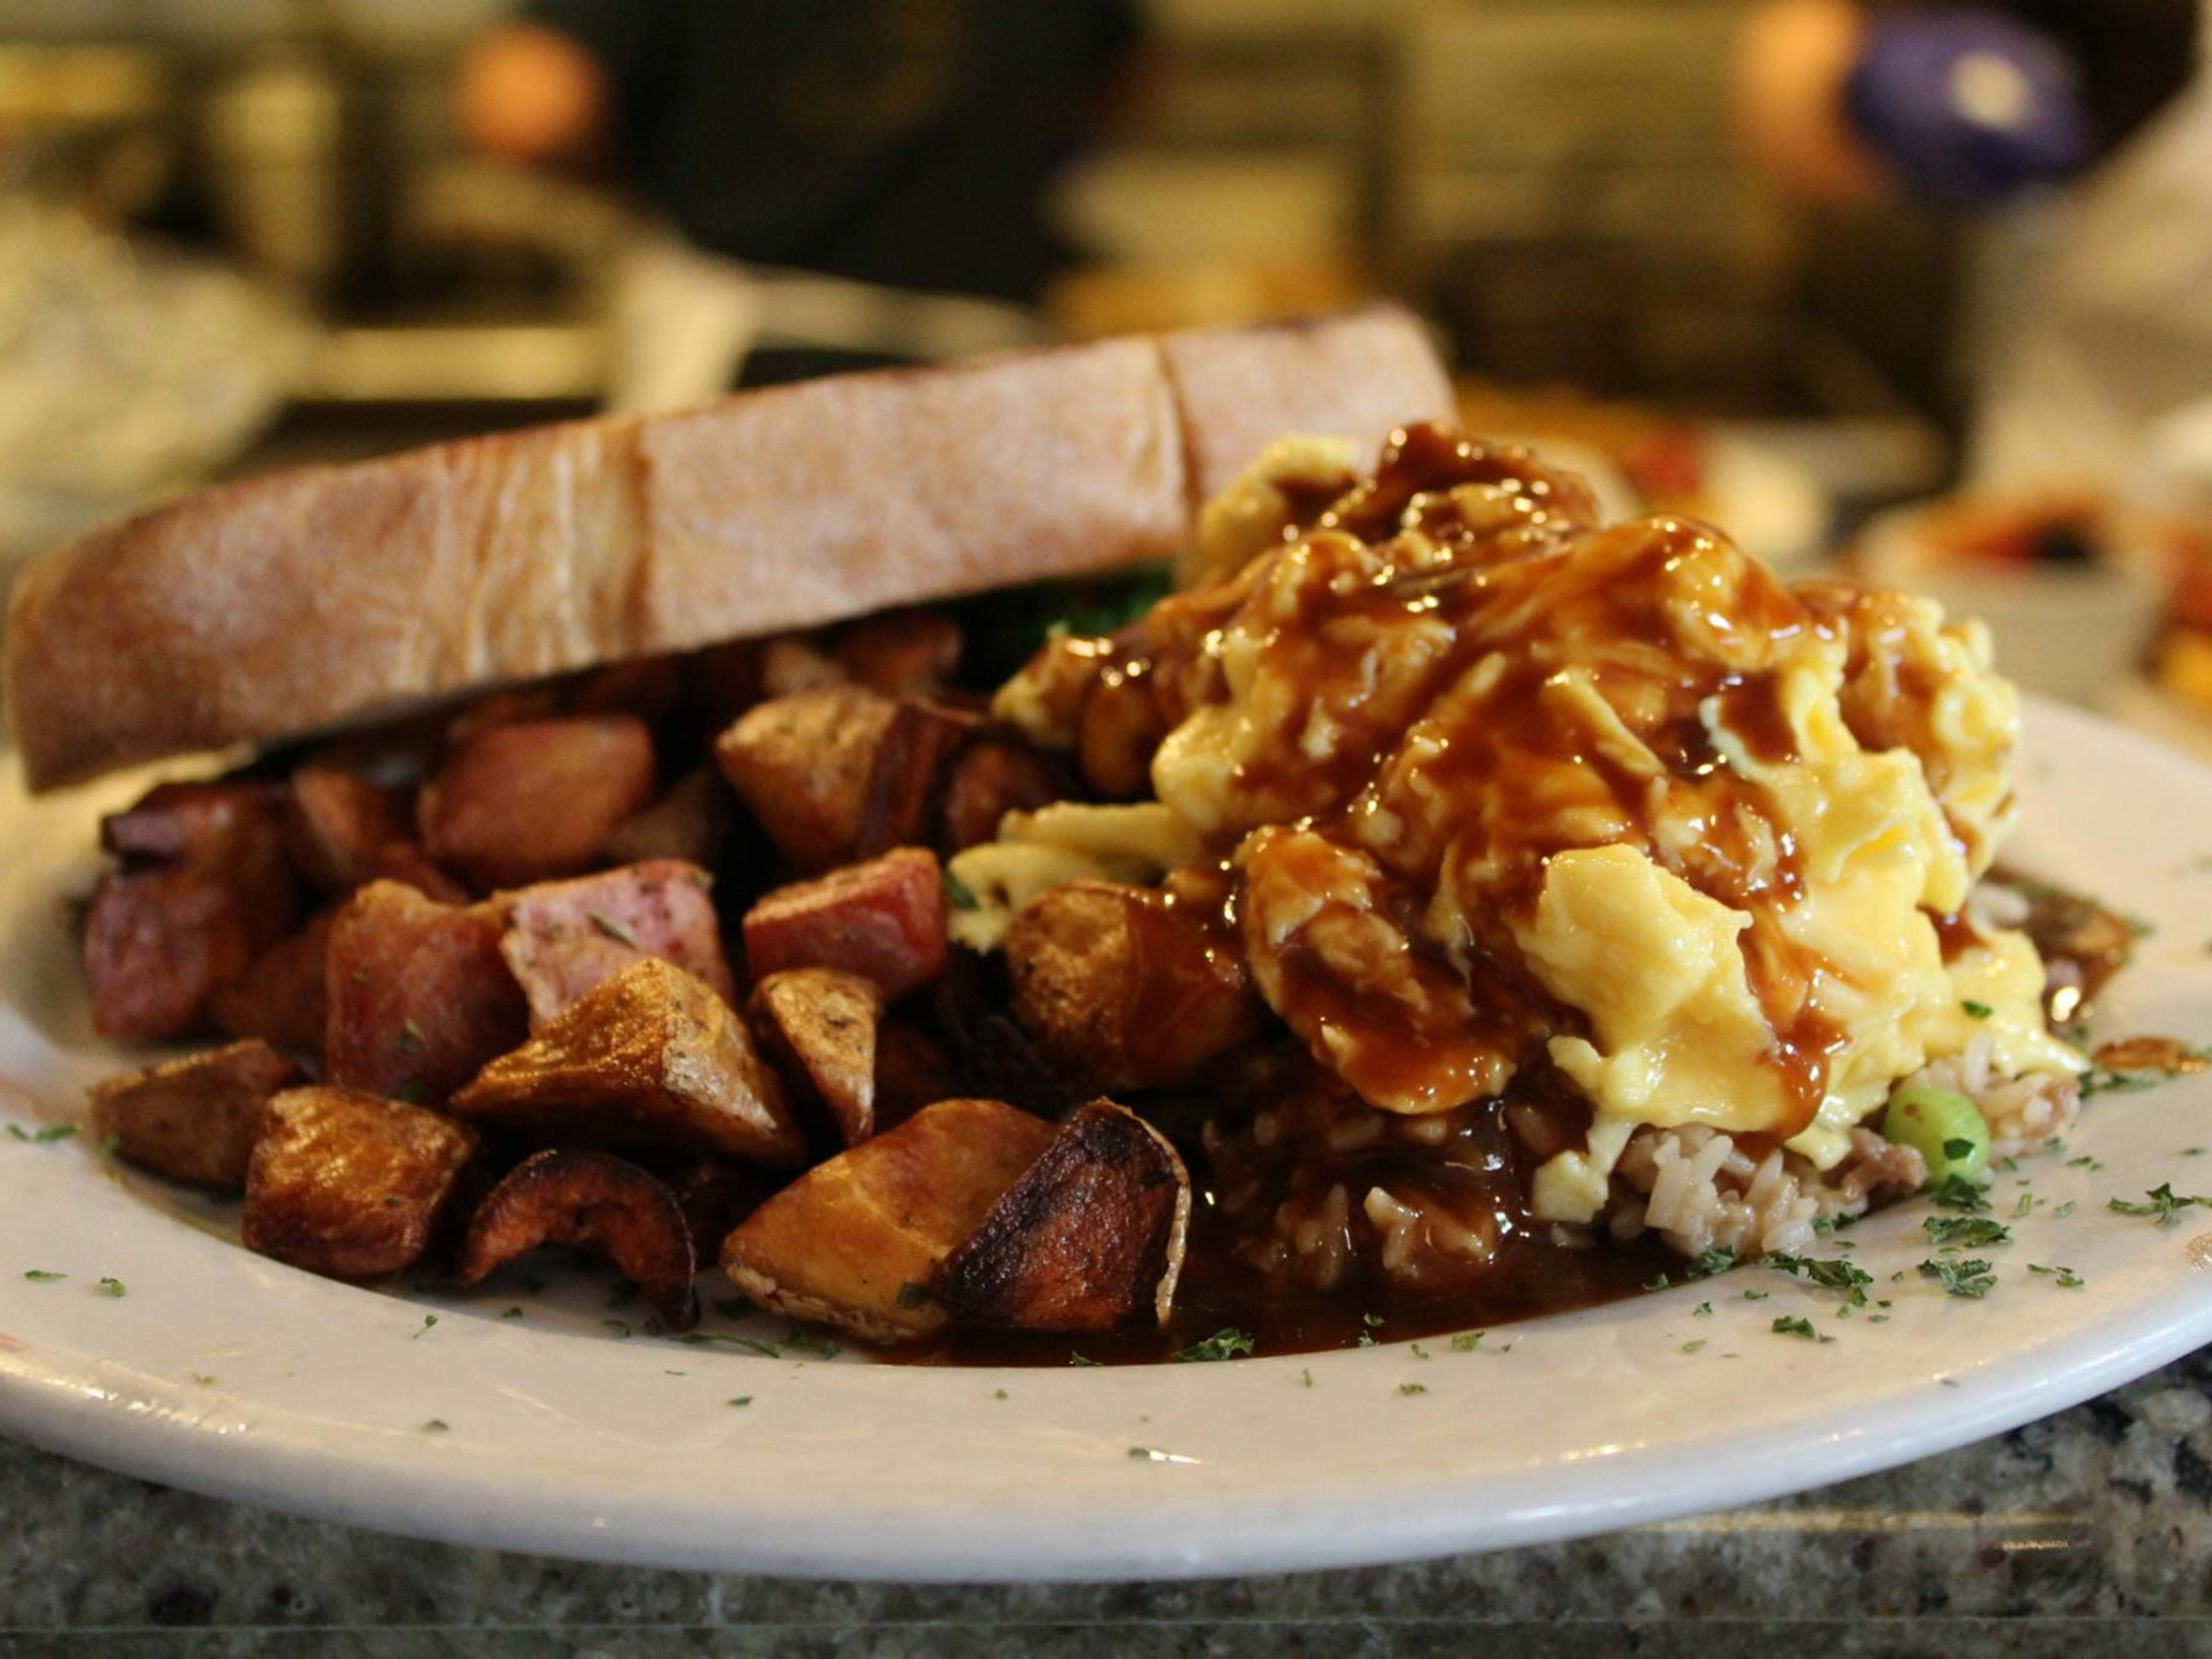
[308,599]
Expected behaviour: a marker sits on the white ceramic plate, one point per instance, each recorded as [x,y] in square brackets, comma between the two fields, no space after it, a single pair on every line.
[221,1371]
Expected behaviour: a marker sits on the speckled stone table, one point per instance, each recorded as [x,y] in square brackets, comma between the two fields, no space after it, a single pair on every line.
[2087,1536]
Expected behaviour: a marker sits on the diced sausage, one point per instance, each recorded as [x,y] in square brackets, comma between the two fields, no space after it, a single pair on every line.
[1089,1239]
[565,938]
[536,799]
[158,944]
[283,997]
[818,1025]
[802,765]
[349,1184]
[194,1119]
[854,1242]
[1123,990]
[900,653]
[589,1198]
[420,996]
[197,823]
[653,1061]
[339,823]
[884,919]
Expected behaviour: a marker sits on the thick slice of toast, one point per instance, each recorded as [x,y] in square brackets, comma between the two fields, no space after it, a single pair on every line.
[308,599]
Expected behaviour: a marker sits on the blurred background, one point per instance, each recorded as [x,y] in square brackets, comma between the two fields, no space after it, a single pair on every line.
[1928,286]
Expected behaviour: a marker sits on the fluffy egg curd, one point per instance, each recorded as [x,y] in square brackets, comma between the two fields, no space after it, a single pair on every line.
[1495,804]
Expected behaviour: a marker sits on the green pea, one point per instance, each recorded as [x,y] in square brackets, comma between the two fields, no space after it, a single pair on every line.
[1943,1126]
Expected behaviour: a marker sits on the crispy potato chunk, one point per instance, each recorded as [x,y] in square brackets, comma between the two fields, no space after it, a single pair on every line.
[852,1243]
[884,919]
[420,996]
[922,740]
[350,1184]
[802,763]
[565,938]
[996,774]
[652,1059]
[283,998]
[591,1199]
[337,823]
[900,653]
[690,822]
[1123,990]
[819,1026]
[537,798]
[1091,1239]
[193,1119]
[911,1073]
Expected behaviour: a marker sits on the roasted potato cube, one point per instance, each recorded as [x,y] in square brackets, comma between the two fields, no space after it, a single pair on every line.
[589,1198]
[420,996]
[339,823]
[690,822]
[537,798]
[194,1119]
[652,1059]
[406,863]
[1122,989]
[283,998]
[1091,1239]
[994,774]
[911,1073]
[852,1243]
[884,919]
[350,1184]
[900,653]
[565,938]
[802,764]
[818,1025]
[922,740]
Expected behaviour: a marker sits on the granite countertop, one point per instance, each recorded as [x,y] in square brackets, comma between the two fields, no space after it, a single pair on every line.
[2086,1535]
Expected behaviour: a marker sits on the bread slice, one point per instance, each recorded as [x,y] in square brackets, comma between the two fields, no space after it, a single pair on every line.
[310,598]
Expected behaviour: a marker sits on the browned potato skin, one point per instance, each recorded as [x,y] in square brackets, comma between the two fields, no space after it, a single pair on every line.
[852,1242]
[350,1184]
[194,1119]
[1122,991]
[652,1061]
[911,1073]
[1091,1239]
[690,823]
[802,763]
[993,775]
[583,1198]
[818,1025]
[537,798]
[284,997]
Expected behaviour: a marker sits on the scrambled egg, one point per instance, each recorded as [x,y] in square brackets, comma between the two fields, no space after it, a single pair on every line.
[1619,802]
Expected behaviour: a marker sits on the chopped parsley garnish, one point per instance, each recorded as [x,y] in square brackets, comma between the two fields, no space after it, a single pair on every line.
[1420,1352]
[1754,1296]
[1977,1010]
[1225,1344]
[1703,1311]
[608,927]
[436,1425]
[1080,1359]
[1659,1283]
[1801,1328]
[1366,1339]
[1958,1149]
[512,1313]
[1413,1388]
[1372,1321]
[2065,1278]
[44,1276]
[998,1394]
[740,1400]
[1693,1347]
[958,894]
[1837,1275]
[1966,1231]
[2164,1203]
[807,1342]
[429,1323]
[1715,1261]
[618,1326]
[1305,1377]
[2064,1210]
[911,1295]
[1145,1452]
[111,1286]
[1957,1193]
[408,1039]
[2027,1203]
[1972,1280]
[1468,1341]
[45,1137]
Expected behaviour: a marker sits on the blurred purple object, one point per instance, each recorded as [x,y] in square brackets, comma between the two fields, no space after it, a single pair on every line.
[1968,105]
